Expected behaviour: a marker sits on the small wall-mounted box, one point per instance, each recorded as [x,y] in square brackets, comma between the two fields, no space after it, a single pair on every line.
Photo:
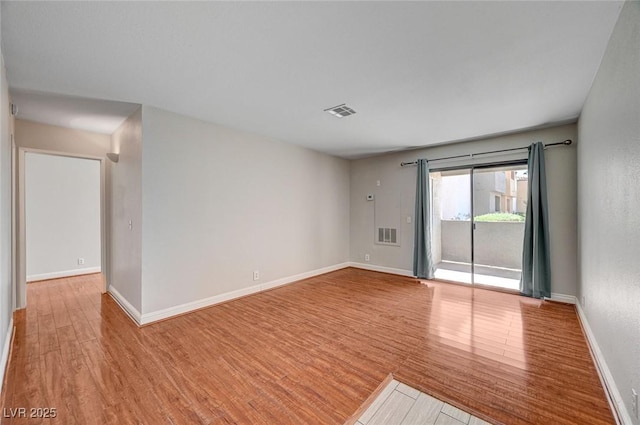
[370,197]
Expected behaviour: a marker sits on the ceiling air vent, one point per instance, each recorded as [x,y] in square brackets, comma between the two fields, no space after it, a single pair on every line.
[340,111]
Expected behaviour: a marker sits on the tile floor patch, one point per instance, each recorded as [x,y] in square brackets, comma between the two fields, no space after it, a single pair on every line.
[447,420]
[477,421]
[456,413]
[393,410]
[405,389]
[373,408]
[424,411]
[400,404]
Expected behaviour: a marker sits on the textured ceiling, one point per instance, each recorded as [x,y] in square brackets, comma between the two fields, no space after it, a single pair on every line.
[417,73]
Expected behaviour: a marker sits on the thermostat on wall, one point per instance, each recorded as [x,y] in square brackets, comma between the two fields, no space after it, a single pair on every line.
[370,197]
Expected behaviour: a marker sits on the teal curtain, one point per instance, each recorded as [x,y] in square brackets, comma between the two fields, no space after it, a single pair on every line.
[423,266]
[536,269]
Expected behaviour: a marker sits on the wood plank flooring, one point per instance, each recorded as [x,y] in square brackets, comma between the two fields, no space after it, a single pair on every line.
[307,353]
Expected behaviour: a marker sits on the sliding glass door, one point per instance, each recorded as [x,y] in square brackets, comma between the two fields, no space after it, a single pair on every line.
[451,225]
[499,207]
[478,224]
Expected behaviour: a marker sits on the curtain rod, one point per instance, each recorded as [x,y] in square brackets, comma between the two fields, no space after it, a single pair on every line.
[471,155]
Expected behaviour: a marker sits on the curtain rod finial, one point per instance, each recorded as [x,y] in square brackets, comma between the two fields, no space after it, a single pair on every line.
[568,142]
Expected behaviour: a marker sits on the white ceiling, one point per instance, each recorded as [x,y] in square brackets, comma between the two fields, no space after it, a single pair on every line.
[417,73]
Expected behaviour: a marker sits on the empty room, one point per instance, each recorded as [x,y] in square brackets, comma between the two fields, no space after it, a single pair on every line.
[320,212]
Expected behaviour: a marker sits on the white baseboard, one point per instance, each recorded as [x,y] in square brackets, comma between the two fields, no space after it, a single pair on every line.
[382,269]
[562,298]
[131,311]
[64,273]
[6,349]
[228,296]
[620,412]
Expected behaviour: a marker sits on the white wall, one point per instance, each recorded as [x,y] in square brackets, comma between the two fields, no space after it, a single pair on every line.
[218,204]
[6,257]
[397,186]
[47,137]
[125,248]
[458,197]
[62,200]
[609,205]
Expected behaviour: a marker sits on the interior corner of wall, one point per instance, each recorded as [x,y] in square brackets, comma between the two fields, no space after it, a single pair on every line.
[144,110]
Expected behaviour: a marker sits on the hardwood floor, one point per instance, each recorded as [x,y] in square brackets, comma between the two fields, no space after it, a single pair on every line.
[307,353]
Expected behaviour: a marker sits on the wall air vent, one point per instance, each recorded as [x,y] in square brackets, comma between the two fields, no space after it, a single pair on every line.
[340,111]
[387,236]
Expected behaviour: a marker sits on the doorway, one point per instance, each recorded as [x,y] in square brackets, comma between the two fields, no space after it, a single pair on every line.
[61,217]
[62,210]
[478,216]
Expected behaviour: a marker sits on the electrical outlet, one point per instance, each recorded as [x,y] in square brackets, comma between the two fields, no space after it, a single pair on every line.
[256,274]
[80,261]
[634,402]
[367,257]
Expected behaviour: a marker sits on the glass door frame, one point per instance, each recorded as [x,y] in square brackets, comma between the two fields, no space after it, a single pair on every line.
[472,227]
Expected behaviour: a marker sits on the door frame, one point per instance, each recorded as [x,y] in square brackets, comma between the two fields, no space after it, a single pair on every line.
[472,228]
[21,249]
